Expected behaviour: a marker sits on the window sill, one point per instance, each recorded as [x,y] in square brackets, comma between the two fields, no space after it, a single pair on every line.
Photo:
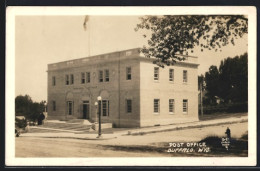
[156,113]
[156,81]
[171,113]
[185,113]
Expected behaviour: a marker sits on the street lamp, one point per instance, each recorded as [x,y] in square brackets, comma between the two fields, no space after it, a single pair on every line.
[99,98]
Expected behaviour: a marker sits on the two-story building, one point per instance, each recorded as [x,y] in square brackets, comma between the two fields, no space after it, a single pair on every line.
[134,91]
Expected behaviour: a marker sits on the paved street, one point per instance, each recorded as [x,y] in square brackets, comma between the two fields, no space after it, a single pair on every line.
[148,145]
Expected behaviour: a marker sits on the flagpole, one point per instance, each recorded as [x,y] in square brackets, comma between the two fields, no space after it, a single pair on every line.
[89,37]
[86,26]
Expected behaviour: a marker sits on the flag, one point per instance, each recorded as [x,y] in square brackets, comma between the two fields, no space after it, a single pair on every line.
[85,22]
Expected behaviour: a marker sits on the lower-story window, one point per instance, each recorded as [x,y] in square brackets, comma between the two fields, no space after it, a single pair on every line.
[54,105]
[185,106]
[129,106]
[105,107]
[171,105]
[70,107]
[156,105]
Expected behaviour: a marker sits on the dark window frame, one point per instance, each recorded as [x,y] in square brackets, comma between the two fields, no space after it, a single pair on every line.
[88,77]
[67,79]
[83,80]
[128,73]
[106,75]
[53,105]
[185,76]
[100,76]
[171,75]
[129,105]
[156,106]
[156,74]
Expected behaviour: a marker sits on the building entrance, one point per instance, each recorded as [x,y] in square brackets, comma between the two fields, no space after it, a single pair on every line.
[85,109]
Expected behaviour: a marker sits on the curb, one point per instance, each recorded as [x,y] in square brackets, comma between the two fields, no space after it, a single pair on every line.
[71,137]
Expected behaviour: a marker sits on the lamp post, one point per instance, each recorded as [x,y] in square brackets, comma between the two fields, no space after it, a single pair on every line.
[96,104]
[99,98]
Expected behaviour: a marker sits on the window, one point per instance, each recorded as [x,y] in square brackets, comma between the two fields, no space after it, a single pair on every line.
[105,108]
[171,105]
[71,79]
[82,78]
[171,75]
[53,81]
[129,106]
[88,77]
[100,76]
[156,105]
[67,80]
[185,76]
[53,105]
[107,75]
[156,73]
[185,106]
[128,73]
[70,107]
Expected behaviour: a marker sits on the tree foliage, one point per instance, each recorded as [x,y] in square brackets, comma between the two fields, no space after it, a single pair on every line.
[176,35]
[24,106]
[230,81]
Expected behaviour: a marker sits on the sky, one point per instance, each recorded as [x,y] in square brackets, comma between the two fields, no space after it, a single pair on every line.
[41,40]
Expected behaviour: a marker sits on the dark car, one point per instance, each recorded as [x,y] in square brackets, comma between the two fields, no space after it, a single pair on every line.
[17,132]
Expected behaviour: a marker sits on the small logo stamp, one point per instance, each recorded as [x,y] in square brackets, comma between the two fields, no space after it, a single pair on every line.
[225,142]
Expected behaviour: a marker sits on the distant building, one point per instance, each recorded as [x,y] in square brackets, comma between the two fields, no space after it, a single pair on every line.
[135,92]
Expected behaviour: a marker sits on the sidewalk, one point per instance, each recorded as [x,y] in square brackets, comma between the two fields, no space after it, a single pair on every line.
[189,125]
[139,131]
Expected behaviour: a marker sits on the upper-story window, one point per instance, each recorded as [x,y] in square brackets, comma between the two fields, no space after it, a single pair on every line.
[128,73]
[171,75]
[107,75]
[53,81]
[185,76]
[82,78]
[100,76]
[71,79]
[88,77]
[67,81]
[156,73]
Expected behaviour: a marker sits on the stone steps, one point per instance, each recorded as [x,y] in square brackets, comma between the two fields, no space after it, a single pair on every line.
[74,125]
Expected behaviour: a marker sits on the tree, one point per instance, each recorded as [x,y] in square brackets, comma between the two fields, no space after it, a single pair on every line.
[24,106]
[201,82]
[175,35]
[212,83]
[230,81]
[233,74]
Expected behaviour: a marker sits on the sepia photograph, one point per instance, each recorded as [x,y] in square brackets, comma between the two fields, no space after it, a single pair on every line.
[131,86]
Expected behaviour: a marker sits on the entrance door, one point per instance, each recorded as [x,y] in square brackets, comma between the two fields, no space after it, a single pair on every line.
[85,109]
